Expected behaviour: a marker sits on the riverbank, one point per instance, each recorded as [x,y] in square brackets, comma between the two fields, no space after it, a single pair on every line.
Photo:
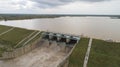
[102,54]
[6,17]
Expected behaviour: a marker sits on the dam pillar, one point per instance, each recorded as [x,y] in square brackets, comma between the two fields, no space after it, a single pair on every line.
[58,37]
[53,44]
[50,35]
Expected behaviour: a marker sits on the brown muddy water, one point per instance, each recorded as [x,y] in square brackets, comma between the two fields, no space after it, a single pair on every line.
[96,27]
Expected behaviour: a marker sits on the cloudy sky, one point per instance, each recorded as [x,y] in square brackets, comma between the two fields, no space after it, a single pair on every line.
[60,6]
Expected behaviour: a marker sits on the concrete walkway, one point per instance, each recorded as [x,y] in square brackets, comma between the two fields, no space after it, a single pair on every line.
[25,39]
[7,31]
[87,53]
[31,38]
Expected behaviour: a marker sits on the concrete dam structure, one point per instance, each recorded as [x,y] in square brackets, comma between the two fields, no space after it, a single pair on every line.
[52,50]
[65,42]
[60,38]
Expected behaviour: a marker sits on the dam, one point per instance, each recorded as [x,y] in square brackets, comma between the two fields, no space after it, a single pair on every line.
[68,40]
[52,50]
[63,43]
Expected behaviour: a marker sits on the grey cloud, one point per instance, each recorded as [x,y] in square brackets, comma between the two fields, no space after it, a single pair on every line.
[47,3]
[94,0]
[54,3]
[67,0]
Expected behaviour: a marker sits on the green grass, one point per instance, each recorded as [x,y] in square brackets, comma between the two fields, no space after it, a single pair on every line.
[77,57]
[4,28]
[38,36]
[10,39]
[15,35]
[1,51]
[104,54]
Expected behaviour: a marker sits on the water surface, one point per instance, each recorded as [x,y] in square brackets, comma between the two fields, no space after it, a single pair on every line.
[96,27]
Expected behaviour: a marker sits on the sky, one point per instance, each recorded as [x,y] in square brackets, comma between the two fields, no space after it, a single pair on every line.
[100,7]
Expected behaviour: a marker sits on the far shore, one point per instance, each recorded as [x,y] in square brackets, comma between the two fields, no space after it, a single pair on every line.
[6,17]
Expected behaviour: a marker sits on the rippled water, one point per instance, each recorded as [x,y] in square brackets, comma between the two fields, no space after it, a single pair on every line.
[96,27]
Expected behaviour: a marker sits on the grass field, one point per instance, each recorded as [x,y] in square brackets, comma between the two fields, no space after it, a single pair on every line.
[15,35]
[4,28]
[78,54]
[104,54]
[16,38]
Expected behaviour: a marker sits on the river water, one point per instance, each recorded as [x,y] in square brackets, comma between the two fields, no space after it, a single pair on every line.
[96,27]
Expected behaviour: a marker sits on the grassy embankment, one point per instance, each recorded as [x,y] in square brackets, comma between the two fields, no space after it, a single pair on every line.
[13,37]
[78,54]
[4,28]
[104,54]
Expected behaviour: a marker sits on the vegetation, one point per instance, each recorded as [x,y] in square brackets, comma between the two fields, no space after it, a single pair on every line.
[1,51]
[31,41]
[104,54]
[9,40]
[16,35]
[77,57]
[38,36]
[24,16]
[3,28]
[31,16]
